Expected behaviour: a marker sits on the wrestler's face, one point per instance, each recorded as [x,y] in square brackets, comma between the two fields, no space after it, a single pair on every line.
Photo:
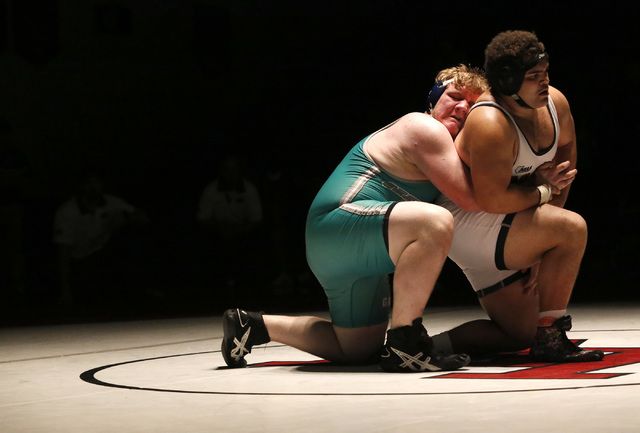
[535,87]
[453,107]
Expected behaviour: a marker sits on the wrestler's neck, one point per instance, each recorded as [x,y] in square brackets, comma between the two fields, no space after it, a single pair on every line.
[518,110]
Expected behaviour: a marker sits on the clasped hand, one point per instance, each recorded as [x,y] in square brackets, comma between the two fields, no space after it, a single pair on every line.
[558,176]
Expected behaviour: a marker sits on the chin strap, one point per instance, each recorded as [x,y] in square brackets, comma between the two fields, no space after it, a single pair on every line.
[520,101]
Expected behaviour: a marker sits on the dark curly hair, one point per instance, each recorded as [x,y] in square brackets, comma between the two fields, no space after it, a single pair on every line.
[508,56]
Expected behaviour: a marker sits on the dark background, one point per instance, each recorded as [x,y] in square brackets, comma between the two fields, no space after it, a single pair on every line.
[155,91]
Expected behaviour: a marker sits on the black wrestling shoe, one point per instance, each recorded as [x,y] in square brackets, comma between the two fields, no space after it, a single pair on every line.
[410,349]
[552,345]
[242,331]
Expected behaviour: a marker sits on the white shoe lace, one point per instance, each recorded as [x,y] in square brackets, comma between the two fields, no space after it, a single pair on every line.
[414,363]
[239,351]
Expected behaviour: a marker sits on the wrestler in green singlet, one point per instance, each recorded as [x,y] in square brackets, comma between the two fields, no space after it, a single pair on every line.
[346,237]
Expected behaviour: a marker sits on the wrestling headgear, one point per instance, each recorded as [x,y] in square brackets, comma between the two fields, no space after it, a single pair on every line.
[436,92]
[506,75]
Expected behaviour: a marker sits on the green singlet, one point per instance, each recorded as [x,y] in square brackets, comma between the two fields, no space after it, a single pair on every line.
[347,237]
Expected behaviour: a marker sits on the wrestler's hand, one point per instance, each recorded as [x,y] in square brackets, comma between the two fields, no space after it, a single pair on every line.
[557,176]
[531,285]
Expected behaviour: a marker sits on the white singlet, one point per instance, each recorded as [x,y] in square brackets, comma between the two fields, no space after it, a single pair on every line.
[479,237]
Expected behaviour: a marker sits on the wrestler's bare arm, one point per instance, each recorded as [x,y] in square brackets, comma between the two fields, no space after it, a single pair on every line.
[567,150]
[430,147]
[487,144]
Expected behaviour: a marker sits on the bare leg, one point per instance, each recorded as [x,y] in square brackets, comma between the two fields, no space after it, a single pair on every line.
[554,237]
[419,238]
[514,318]
[557,239]
[321,338]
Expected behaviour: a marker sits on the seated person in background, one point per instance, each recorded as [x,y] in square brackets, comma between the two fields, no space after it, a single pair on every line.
[84,229]
[230,211]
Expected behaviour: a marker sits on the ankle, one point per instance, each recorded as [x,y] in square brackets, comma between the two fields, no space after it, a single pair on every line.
[442,343]
[260,333]
[410,335]
[549,317]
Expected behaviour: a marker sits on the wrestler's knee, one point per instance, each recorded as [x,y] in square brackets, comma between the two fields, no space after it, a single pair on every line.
[423,225]
[574,228]
[514,313]
[520,337]
[438,226]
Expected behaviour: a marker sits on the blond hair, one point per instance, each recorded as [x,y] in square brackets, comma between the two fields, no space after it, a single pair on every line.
[472,79]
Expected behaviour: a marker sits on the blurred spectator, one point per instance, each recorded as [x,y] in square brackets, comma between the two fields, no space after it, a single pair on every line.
[92,263]
[284,227]
[230,212]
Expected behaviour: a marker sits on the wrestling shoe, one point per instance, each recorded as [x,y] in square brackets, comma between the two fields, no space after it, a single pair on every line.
[410,349]
[242,331]
[552,345]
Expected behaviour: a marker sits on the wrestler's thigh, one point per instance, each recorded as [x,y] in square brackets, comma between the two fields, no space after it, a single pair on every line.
[411,219]
[534,232]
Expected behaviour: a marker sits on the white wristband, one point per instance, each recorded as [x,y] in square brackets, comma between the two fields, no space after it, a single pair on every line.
[545,193]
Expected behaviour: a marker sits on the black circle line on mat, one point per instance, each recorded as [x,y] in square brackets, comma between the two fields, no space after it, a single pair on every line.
[89,376]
